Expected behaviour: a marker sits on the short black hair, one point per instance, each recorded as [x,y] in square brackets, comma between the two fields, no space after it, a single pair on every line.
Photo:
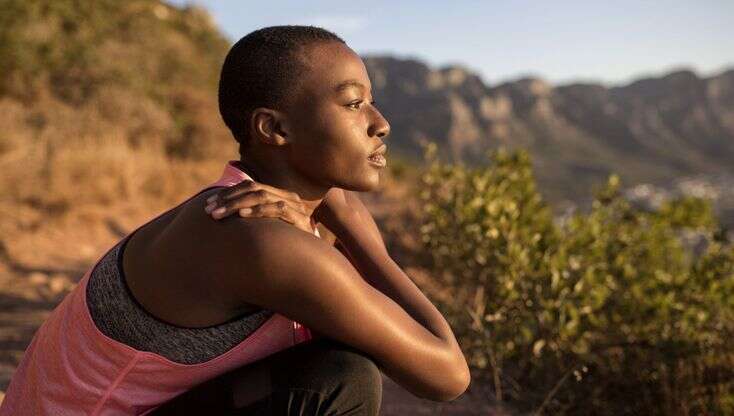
[259,68]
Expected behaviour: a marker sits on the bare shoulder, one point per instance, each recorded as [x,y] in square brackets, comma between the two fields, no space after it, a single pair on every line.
[249,260]
[270,249]
[233,250]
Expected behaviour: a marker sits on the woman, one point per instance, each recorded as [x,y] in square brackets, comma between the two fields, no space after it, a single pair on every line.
[213,305]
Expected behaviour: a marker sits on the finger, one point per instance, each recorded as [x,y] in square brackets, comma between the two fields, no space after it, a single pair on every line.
[278,209]
[249,199]
[249,186]
[282,193]
[225,192]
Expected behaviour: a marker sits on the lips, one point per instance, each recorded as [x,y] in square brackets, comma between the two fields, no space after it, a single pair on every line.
[377,157]
[379,151]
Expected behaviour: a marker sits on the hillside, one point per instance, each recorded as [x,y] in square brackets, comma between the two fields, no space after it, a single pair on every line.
[141,69]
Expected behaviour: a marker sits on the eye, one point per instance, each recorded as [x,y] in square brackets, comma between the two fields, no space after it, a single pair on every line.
[356,103]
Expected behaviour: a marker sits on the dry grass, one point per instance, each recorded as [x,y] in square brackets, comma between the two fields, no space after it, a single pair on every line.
[73,181]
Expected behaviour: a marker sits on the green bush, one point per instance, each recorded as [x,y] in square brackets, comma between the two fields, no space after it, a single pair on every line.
[604,313]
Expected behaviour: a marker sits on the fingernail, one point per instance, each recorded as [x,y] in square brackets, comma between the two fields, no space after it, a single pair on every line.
[218,211]
[245,211]
[209,208]
[211,199]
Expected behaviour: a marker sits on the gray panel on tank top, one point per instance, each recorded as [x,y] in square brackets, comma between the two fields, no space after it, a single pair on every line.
[121,318]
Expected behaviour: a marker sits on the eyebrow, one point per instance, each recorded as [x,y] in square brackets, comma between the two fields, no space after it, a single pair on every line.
[349,83]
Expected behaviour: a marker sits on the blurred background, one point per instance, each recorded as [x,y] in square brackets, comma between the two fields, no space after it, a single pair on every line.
[560,176]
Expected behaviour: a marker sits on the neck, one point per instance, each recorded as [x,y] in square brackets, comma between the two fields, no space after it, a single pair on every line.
[279,174]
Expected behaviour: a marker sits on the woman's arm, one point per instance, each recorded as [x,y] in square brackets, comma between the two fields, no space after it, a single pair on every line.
[397,324]
[305,279]
[358,236]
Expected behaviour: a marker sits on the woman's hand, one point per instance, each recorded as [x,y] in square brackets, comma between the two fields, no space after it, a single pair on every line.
[254,199]
[345,215]
[334,210]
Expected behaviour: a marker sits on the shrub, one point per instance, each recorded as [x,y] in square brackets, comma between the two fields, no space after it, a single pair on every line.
[603,313]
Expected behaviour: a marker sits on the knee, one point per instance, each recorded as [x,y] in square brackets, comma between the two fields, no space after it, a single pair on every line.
[354,368]
[348,376]
[358,381]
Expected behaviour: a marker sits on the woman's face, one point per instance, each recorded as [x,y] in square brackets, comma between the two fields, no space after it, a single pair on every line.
[333,125]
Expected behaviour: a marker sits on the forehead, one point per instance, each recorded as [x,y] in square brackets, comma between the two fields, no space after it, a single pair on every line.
[332,69]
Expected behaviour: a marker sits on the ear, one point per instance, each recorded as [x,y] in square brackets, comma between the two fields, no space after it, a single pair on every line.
[267,126]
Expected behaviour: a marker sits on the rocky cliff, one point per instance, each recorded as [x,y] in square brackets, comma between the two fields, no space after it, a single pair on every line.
[652,130]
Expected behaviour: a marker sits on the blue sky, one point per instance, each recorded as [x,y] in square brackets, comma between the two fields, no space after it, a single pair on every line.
[611,42]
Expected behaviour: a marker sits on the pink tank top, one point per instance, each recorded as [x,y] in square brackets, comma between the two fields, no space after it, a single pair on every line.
[72,368]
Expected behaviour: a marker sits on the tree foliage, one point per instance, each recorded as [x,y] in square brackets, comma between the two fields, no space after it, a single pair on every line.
[605,312]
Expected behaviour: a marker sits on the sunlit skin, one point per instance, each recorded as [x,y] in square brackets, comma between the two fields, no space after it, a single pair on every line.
[310,154]
[324,134]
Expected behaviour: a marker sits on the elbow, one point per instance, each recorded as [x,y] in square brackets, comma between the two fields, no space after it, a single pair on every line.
[454,387]
[463,379]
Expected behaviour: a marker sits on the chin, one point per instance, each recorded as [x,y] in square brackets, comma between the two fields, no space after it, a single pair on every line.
[367,183]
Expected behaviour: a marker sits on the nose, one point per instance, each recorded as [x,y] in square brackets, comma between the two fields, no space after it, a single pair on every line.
[380,127]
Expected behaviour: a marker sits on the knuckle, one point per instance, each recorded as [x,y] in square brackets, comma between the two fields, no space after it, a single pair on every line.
[281,205]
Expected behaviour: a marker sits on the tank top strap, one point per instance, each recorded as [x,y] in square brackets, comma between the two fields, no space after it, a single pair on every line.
[231,175]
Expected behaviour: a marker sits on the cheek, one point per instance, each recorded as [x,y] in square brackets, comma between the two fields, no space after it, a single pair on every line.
[348,146]
[333,149]
[318,152]
[338,137]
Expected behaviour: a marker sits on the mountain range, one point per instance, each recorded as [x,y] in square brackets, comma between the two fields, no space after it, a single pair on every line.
[653,130]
